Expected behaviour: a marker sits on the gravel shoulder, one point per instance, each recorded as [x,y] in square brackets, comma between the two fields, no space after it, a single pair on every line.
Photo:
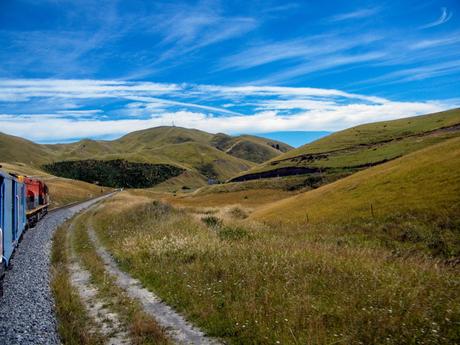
[27,307]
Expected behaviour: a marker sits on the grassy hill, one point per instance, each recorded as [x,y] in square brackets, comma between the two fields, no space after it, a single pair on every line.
[354,149]
[14,149]
[211,156]
[413,200]
[248,147]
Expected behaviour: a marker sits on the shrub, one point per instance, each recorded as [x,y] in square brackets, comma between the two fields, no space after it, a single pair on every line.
[212,221]
[230,233]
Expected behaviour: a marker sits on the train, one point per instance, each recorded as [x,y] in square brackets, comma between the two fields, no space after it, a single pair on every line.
[23,202]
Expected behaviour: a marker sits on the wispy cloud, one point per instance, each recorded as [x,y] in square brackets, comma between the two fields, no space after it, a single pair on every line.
[185,29]
[358,14]
[417,73]
[281,8]
[453,38]
[298,50]
[446,15]
[326,63]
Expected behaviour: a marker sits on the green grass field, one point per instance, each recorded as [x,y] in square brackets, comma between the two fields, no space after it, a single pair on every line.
[353,149]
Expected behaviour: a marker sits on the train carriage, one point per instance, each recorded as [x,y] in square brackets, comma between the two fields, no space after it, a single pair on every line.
[13,219]
[37,199]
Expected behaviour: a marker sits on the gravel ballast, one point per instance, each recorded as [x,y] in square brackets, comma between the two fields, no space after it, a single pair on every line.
[27,307]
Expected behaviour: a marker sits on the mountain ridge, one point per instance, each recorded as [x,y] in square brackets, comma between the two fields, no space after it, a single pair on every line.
[188,149]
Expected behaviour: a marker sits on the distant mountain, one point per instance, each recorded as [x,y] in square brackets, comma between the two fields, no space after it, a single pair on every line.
[217,157]
[296,138]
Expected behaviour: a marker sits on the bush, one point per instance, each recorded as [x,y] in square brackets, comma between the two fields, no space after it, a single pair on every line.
[232,233]
[212,221]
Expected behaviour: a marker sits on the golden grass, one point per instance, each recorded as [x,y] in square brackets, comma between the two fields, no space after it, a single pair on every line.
[67,191]
[250,198]
[254,284]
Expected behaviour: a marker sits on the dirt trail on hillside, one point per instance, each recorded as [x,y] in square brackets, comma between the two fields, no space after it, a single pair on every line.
[108,322]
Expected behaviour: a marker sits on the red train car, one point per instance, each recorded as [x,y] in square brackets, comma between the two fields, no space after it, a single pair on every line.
[37,199]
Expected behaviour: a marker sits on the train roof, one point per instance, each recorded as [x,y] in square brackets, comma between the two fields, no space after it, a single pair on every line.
[8,176]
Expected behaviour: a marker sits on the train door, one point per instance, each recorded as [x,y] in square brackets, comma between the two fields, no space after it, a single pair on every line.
[21,211]
[15,209]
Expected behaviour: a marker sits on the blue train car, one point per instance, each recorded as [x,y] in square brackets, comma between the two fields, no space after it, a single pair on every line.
[13,220]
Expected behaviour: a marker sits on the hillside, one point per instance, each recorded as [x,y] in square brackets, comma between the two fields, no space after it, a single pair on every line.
[354,149]
[414,199]
[14,149]
[217,157]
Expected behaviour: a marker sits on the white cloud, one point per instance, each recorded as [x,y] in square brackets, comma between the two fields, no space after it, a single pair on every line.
[133,106]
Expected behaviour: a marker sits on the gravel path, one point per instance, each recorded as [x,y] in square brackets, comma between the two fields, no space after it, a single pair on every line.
[179,329]
[27,306]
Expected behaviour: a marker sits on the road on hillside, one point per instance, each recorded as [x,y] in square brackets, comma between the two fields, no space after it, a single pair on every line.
[27,307]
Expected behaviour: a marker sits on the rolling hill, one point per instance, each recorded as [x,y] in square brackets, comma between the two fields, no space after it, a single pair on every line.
[414,199]
[202,155]
[14,149]
[354,149]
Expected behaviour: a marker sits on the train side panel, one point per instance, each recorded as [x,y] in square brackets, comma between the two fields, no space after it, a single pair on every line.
[7,220]
[13,215]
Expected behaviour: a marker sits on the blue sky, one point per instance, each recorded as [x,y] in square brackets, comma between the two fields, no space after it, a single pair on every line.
[100,69]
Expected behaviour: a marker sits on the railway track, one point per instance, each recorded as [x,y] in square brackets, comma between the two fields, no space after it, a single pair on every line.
[27,306]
